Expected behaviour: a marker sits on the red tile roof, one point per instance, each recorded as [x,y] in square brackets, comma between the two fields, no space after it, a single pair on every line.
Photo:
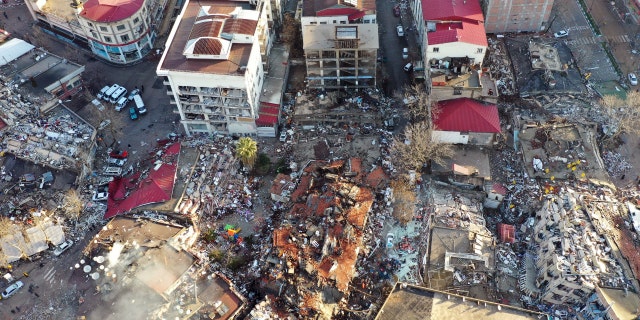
[466,32]
[110,10]
[458,10]
[268,115]
[467,115]
[281,182]
[499,189]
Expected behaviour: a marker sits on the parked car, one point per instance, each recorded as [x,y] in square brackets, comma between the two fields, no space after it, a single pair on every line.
[121,104]
[119,154]
[100,194]
[103,91]
[12,289]
[283,136]
[561,34]
[116,162]
[63,247]
[133,93]
[400,31]
[408,67]
[396,11]
[405,53]
[133,114]
[633,79]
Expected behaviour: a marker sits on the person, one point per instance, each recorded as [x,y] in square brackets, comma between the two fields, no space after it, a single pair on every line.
[141,89]
[5,15]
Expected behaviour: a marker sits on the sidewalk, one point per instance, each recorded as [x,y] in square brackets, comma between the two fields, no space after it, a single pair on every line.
[611,25]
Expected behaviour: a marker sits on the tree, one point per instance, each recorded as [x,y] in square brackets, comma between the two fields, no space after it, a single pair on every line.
[72,205]
[414,148]
[247,151]
[622,115]
[404,200]
[419,104]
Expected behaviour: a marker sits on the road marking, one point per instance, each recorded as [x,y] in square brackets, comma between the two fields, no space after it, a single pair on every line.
[578,28]
[50,270]
[50,277]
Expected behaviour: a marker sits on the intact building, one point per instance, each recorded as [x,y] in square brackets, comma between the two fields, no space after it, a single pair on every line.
[118,31]
[516,15]
[340,42]
[213,67]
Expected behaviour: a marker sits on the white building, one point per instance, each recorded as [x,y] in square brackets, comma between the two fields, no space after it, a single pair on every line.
[118,31]
[340,42]
[213,67]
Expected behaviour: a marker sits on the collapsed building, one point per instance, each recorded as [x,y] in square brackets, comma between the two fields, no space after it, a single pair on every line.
[461,252]
[571,257]
[320,238]
[145,261]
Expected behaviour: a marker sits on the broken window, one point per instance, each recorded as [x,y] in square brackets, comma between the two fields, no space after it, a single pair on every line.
[436,49]
[480,50]
[346,32]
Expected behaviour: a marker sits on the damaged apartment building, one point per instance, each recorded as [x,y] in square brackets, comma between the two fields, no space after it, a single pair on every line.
[572,258]
[215,64]
[340,42]
[320,238]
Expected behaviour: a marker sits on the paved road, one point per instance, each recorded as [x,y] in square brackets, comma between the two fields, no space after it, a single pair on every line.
[394,77]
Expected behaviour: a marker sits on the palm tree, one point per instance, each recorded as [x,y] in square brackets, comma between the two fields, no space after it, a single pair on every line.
[247,151]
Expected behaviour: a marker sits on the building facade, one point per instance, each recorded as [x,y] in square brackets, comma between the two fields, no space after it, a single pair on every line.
[340,43]
[213,67]
[119,31]
[516,15]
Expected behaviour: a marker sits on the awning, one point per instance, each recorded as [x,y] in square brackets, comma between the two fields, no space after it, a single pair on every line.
[13,49]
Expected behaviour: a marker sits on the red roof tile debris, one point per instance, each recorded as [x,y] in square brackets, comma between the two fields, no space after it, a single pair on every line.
[279,183]
[376,177]
[467,115]
[302,189]
[499,189]
[506,233]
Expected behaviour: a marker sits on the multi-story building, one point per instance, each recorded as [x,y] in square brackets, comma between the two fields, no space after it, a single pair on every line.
[340,43]
[213,69]
[572,257]
[516,15]
[453,44]
[118,31]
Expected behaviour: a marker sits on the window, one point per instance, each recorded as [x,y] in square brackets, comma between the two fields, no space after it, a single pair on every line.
[103,28]
[124,38]
[456,92]
[373,20]
[366,21]
[436,49]
[107,39]
[120,27]
[323,22]
[90,24]
[94,34]
[343,22]
[346,32]
[313,22]
[136,20]
[334,21]
[480,50]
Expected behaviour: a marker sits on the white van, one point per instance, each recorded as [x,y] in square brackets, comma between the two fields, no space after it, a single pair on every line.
[119,93]
[121,103]
[139,104]
[103,91]
[109,92]
[112,171]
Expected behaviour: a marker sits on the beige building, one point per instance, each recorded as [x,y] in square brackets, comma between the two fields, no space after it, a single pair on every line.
[340,42]
[516,15]
[118,31]
[213,67]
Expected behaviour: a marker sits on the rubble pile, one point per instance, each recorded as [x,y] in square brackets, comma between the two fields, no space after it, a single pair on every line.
[499,64]
[616,164]
[573,257]
[58,140]
[318,241]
